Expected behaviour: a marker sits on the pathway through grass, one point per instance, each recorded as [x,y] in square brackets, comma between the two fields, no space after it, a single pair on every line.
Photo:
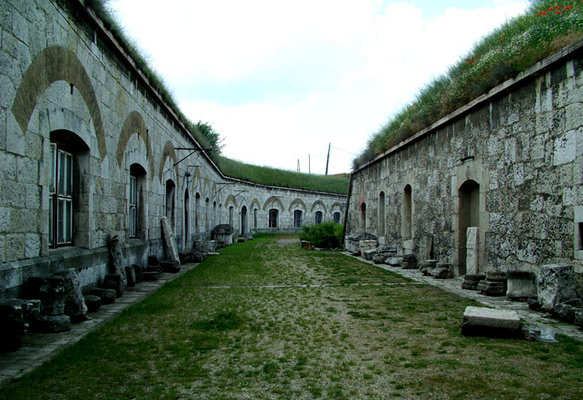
[267,320]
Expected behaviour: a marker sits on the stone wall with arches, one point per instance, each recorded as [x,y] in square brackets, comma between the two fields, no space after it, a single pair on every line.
[89,150]
[509,163]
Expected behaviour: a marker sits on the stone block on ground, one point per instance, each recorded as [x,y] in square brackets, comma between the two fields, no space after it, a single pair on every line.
[555,285]
[394,261]
[115,282]
[352,242]
[75,306]
[306,244]
[51,323]
[151,273]
[471,281]
[427,267]
[367,245]
[443,271]
[492,288]
[379,258]
[169,241]
[131,276]
[93,302]
[481,321]
[138,271]
[409,262]
[521,285]
[107,296]
[170,266]
[369,254]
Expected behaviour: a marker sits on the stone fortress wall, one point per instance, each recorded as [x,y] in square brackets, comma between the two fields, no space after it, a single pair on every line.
[509,163]
[89,150]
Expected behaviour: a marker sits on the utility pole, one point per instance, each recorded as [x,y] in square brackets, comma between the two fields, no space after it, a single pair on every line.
[298,165]
[328,158]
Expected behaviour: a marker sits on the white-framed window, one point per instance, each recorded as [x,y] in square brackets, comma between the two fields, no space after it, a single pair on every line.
[61,198]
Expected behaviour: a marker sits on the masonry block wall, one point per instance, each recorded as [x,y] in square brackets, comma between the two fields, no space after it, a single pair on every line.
[509,163]
[89,150]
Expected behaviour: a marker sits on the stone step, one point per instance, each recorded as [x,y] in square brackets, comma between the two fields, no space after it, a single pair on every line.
[482,321]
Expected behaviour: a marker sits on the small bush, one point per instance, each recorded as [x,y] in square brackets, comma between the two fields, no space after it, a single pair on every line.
[327,235]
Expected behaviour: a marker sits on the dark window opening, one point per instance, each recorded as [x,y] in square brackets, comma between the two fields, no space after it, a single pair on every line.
[273,213]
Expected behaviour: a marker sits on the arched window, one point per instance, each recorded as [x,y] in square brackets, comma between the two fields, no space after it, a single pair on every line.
[273,214]
[231,216]
[336,217]
[170,205]
[255,219]
[297,219]
[197,213]
[363,217]
[186,219]
[69,162]
[381,228]
[318,217]
[244,221]
[136,202]
[407,212]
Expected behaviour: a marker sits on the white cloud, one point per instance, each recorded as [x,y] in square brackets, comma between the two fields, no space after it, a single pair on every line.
[372,57]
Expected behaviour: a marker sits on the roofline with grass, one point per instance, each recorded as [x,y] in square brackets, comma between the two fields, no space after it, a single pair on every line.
[569,51]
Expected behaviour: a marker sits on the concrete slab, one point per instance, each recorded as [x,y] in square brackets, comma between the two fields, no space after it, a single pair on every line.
[482,321]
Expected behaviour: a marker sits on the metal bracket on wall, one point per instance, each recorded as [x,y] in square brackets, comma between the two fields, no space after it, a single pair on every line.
[192,151]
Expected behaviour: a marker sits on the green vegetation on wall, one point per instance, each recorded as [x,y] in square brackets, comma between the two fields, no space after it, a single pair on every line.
[520,43]
[283,178]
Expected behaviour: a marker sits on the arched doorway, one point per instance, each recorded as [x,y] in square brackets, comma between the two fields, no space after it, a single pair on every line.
[363,217]
[468,215]
[244,221]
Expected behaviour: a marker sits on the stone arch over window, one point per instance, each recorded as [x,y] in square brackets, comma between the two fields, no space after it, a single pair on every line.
[169,153]
[381,227]
[468,216]
[137,202]
[273,200]
[134,124]
[407,213]
[54,64]
[69,216]
[255,204]
[170,203]
[298,203]
[319,203]
[231,199]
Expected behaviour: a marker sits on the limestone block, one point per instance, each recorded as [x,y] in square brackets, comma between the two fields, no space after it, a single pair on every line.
[555,285]
[565,149]
[14,247]
[408,246]
[51,323]
[4,218]
[169,241]
[481,321]
[521,285]
[32,245]
[471,282]
[107,296]
[472,250]
[75,306]
[366,245]
[14,136]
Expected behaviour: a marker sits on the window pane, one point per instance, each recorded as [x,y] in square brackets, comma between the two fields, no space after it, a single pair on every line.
[61,172]
[53,167]
[69,174]
[69,221]
[51,220]
[60,220]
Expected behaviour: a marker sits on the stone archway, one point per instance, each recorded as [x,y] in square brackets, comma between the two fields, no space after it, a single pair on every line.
[468,216]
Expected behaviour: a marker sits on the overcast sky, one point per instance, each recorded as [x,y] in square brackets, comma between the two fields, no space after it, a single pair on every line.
[279,80]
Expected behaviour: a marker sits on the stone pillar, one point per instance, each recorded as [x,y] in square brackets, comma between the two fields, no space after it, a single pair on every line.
[169,242]
[472,250]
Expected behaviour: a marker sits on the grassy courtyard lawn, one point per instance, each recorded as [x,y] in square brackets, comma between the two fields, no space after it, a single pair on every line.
[268,320]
